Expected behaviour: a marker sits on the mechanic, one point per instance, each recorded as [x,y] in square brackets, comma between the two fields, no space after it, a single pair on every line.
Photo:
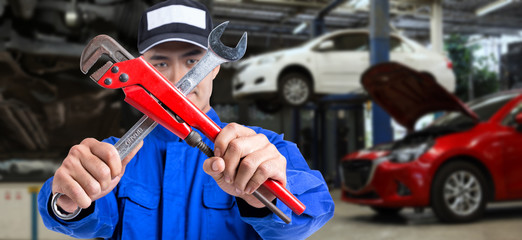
[165,189]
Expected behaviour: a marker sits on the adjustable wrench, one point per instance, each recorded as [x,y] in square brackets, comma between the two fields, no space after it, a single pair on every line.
[144,95]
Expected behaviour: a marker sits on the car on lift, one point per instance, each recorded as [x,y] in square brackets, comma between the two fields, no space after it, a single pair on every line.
[46,104]
[466,158]
[330,64]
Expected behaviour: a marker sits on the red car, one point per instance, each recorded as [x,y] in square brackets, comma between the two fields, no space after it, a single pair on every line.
[466,158]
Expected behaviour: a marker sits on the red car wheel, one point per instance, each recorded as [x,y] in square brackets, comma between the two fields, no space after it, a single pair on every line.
[459,192]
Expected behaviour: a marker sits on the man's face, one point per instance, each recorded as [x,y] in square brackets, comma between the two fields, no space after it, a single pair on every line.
[174,60]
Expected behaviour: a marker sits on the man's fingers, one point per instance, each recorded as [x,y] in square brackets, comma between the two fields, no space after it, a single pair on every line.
[259,166]
[90,171]
[128,158]
[97,168]
[262,174]
[214,167]
[106,152]
[239,148]
[228,145]
[227,134]
[73,190]
[88,183]
[247,168]
[66,203]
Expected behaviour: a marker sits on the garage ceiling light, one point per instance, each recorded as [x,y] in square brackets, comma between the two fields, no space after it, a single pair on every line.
[300,28]
[492,7]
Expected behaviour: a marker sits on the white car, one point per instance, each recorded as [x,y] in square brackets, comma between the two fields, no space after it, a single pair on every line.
[330,64]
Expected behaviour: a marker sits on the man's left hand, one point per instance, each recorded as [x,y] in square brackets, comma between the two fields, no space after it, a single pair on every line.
[243,161]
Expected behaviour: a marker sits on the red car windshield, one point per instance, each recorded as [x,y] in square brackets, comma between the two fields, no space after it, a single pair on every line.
[484,107]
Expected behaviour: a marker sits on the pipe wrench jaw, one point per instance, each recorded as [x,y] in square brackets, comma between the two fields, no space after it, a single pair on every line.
[99,49]
[118,75]
[98,74]
[155,96]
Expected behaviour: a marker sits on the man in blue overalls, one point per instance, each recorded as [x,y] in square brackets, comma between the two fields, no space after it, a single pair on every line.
[166,189]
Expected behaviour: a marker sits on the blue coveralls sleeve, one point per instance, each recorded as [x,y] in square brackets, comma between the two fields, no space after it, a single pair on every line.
[308,186]
[100,223]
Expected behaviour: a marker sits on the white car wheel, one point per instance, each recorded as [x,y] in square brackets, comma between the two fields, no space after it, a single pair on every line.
[295,89]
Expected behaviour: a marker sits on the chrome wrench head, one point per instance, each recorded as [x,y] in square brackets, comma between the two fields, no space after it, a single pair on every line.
[217,54]
[227,53]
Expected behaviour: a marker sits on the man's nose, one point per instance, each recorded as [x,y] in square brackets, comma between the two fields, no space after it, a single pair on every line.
[176,75]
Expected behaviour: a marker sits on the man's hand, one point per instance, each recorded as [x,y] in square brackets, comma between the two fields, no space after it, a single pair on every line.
[90,171]
[243,161]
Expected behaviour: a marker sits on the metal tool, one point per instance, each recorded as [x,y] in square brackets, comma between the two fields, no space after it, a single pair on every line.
[98,46]
[144,87]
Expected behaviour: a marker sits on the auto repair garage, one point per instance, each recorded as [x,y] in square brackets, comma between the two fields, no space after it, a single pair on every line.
[409,110]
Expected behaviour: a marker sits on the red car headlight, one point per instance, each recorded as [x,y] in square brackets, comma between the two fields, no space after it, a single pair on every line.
[409,152]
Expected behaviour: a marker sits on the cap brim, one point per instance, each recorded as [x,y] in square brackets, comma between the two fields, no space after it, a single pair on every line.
[197,40]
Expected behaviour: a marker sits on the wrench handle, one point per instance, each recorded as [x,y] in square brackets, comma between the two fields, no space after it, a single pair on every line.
[125,145]
[192,78]
[134,136]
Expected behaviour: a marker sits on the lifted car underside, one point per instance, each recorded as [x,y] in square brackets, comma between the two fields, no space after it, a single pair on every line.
[46,103]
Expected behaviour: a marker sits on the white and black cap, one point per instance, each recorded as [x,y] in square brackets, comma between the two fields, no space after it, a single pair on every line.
[174,20]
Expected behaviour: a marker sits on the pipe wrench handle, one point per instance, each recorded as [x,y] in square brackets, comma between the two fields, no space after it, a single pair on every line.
[275,187]
[285,196]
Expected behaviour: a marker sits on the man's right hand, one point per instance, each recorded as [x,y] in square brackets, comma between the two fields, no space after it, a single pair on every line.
[90,171]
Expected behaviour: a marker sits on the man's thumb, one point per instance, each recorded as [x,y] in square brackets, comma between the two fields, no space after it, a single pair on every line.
[129,156]
[214,167]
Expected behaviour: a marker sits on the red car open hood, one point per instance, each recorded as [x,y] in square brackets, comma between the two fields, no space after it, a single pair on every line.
[407,94]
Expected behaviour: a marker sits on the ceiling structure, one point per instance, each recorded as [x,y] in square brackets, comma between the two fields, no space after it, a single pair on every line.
[271,23]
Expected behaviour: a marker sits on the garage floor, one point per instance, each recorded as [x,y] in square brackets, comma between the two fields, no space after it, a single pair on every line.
[501,221]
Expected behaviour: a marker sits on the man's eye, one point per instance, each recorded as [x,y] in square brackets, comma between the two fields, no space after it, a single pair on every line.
[192,61]
[160,65]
